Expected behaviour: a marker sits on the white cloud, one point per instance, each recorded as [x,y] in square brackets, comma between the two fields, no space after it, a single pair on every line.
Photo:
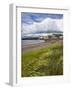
[45,25]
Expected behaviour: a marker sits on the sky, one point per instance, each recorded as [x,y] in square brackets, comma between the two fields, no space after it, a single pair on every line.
[32,23]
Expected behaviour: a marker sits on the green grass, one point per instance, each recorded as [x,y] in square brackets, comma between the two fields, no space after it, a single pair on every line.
[43,62]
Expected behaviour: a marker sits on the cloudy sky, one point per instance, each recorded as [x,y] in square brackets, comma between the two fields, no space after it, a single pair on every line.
[32,23]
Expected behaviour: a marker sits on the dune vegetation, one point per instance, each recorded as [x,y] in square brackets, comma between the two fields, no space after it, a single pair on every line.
[43,62]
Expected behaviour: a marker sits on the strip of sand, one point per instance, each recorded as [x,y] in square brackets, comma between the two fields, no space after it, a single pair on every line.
[41,45]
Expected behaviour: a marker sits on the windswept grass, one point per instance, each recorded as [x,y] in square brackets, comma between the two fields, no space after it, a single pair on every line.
[43,62]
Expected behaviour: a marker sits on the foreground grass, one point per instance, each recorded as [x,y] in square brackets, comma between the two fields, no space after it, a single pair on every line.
[43,62]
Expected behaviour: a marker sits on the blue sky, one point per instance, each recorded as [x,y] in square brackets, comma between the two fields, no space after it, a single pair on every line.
[30,18]
[32,23]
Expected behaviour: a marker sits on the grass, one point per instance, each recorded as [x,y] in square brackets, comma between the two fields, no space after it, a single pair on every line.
[43,62]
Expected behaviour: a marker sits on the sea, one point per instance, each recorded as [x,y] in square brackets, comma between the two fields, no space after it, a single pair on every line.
[26,43]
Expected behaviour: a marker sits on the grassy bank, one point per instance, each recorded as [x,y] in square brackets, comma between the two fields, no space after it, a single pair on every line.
[43,62]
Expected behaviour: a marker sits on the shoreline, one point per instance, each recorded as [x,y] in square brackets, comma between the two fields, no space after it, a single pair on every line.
[41,45]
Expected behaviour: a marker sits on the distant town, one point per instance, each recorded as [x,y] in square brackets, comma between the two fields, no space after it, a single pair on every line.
[45,37]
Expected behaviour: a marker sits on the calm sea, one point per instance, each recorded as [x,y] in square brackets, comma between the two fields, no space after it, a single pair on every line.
[26,43]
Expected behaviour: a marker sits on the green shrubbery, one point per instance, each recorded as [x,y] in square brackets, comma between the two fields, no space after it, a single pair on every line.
[43,62]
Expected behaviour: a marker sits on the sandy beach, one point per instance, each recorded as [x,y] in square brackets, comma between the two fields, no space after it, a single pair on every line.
[41,45]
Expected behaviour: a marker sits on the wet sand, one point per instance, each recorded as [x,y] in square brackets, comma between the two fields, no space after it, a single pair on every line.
[41,45]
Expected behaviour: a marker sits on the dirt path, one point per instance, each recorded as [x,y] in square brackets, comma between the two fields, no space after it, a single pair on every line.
[41,45]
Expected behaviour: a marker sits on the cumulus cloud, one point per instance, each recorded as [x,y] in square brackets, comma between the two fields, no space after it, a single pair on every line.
[46,25]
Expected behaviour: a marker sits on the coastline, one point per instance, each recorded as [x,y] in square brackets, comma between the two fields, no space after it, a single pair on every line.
[41,45]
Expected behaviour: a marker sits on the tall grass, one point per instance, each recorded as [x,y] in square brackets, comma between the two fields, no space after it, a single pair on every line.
[43,62]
